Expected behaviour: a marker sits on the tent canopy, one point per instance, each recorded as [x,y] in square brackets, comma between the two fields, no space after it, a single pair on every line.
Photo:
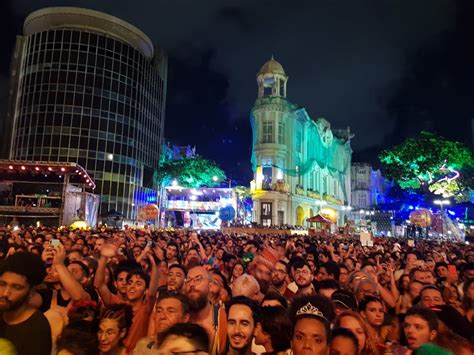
[318,218]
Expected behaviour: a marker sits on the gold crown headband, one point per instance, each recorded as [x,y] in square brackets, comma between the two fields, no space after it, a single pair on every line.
[309,309]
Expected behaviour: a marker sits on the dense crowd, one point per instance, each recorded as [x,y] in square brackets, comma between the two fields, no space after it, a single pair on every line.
[182,292]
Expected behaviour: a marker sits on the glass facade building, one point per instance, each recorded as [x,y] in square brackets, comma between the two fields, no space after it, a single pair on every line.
[90,88]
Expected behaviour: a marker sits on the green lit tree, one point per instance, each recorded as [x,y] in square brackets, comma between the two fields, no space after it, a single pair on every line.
[429,163]
[190,172]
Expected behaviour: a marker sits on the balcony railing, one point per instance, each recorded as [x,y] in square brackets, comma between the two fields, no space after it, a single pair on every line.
[42,204]
[299,190]
[313,194]
[332,199]
[30,209]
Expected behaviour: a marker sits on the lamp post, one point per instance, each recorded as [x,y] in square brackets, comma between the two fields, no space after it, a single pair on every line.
[216,179]
[441,203]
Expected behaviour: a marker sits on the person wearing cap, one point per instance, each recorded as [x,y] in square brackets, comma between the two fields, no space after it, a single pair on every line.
[343,300]
[262,267]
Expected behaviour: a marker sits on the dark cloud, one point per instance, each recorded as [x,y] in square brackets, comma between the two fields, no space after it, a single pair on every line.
[347,60]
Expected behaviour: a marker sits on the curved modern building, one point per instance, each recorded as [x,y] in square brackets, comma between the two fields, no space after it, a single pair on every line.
[90,88]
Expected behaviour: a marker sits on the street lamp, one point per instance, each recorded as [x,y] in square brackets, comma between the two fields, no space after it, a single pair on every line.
[215,178]
[441,203]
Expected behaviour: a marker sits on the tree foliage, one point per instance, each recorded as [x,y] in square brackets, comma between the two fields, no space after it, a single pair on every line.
[243,191]
[190,172]
[401,199]
[429,163]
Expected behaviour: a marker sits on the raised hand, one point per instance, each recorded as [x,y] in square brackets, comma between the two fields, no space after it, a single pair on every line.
[108,250]
[152,259]
[159,252]
[59,255]
[390,270]
[47,254]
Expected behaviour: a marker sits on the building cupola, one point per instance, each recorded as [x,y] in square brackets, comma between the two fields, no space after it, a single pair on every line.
[272,79]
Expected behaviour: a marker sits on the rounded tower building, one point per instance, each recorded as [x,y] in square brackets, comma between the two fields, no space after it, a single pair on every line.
[271,138]
[300,166]
[90,88]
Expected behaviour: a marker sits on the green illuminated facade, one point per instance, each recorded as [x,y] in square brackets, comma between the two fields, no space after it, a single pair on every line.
[300,165]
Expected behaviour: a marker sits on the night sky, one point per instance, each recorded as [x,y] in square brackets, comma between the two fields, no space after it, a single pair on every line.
[386,68]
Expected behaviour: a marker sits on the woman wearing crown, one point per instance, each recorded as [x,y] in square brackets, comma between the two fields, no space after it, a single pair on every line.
[312,316]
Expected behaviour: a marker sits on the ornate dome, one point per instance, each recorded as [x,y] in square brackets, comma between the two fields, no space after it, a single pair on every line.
[271,67]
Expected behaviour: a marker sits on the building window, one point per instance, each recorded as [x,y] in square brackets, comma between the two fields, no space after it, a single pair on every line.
[267,132]
[266,214]
[266,209]
[267,178]
[281,132]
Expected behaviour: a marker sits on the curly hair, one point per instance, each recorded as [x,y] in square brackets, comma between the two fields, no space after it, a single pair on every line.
[26,264]
[122,313]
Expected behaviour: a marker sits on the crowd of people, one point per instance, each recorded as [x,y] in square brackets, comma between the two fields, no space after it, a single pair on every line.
[178,291]
[259,226]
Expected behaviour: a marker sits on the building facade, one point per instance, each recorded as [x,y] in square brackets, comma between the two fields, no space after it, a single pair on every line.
[301,166]
[369,186]
[90,88]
